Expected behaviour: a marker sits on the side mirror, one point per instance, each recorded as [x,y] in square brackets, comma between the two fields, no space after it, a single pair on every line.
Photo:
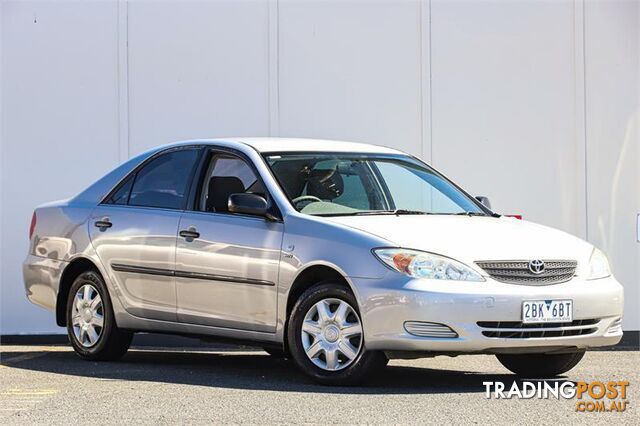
[484,201]
[249,204]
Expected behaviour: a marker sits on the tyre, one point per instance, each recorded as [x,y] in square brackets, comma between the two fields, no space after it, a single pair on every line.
[91,325]
[326,339]
[540,365]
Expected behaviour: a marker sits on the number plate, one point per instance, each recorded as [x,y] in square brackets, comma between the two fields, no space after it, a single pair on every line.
[547,311]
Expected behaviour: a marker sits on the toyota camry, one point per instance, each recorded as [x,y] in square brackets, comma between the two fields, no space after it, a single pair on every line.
[337,255]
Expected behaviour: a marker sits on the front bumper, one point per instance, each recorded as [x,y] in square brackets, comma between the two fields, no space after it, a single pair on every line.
[388,303]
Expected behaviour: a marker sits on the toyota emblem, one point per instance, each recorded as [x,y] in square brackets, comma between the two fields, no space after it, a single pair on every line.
[536,266]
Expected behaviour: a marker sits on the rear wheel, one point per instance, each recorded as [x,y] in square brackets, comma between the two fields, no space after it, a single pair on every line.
[540,365]
[326,338]
[91,325]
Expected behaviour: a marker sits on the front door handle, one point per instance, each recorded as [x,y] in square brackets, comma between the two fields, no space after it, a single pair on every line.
[190,233]
[103,223]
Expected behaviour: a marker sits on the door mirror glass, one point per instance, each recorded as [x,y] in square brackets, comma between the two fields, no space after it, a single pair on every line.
[484,201]
[248,204]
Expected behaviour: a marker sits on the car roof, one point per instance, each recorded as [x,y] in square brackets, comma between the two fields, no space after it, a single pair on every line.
[273,145]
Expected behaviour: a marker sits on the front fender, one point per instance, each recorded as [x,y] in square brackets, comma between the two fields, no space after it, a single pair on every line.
[310,241]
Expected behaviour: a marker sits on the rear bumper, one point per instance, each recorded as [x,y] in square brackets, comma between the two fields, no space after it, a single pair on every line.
[41,280]
[388,303]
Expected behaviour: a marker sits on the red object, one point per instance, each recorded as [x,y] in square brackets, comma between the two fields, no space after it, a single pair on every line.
[32,227]
[517,216]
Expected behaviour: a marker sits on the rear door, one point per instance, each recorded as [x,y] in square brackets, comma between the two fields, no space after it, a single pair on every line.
[134,232]
[227,264]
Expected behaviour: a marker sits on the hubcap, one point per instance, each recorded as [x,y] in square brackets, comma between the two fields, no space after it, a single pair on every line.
[332,334]
[87,316]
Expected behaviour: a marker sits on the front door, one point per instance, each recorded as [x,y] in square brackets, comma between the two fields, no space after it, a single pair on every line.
[227,264]
[134,233]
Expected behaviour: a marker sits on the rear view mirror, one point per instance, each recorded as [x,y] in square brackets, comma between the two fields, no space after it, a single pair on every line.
[248,204]
[484,201]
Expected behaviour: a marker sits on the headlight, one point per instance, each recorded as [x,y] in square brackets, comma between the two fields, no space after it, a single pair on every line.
[420,264]
[598,265]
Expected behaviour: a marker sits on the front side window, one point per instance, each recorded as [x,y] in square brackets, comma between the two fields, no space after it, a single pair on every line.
[347,184]
[163,182]
[226,175]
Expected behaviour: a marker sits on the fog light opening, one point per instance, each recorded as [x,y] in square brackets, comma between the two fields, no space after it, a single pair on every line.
[429,329]
[615,327]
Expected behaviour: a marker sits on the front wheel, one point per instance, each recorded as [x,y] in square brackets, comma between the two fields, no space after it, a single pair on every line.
[326,338]
[540,365]
[91,325]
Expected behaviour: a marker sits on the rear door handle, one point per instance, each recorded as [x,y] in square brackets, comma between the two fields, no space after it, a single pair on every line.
[103,223]
[190,233]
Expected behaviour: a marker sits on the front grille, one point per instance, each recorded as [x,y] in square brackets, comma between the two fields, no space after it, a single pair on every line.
[517,271]
[519,330]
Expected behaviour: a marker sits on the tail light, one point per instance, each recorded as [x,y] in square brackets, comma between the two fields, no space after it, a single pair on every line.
[517,216]
[32,227]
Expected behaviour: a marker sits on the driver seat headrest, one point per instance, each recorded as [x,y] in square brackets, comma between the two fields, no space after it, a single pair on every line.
[325,184]
[220,188]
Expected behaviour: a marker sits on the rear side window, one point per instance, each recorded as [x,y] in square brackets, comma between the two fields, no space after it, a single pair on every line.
[163,182]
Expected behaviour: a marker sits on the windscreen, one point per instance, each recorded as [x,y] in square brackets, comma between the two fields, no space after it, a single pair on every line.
[347,184]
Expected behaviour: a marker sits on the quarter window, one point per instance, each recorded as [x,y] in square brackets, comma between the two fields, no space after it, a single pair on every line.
[163,182]
[121,196]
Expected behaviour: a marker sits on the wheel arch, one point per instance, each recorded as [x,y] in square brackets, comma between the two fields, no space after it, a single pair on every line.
[306,278]
[70,273]
[312,275]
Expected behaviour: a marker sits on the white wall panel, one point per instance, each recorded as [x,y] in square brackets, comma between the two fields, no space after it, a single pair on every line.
[351,70]
[59,126]
[503,106]
[197,70]
[613,140]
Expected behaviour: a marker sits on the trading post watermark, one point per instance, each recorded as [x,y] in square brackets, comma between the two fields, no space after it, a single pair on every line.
[596,396]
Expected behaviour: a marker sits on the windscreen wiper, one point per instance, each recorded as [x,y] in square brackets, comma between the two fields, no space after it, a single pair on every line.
[405,211]
[389,212]
[370,212]
[399,212]
[470,214]
[476,214]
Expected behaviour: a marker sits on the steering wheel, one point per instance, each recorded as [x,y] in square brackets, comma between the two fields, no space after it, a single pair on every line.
[311,198]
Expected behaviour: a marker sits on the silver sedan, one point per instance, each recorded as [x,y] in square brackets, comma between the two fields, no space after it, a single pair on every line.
[337,255]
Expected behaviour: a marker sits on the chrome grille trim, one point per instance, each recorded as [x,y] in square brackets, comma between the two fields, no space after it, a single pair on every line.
[520,325]
[519,330]
[517,271]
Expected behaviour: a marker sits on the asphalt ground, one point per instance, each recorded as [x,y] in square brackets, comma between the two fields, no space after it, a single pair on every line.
[51,385]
